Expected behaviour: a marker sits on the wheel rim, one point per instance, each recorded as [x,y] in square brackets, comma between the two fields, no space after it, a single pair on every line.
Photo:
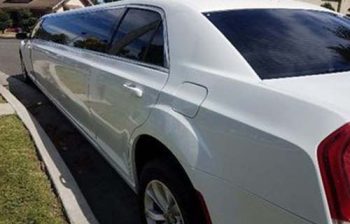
[160,205]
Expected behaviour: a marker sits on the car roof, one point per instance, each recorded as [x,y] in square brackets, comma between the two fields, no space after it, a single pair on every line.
[220,5]
[209,5]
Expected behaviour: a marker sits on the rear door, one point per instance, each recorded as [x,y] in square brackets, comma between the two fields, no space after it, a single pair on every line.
[126,85]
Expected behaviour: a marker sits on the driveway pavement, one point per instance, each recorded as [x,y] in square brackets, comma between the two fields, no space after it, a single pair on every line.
[109,197]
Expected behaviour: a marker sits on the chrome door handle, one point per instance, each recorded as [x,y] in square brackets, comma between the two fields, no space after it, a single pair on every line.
[133,88]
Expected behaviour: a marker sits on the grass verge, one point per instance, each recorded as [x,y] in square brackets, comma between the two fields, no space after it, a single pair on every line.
[26,195]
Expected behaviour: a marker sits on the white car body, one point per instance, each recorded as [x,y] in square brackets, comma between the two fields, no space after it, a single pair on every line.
[248,145]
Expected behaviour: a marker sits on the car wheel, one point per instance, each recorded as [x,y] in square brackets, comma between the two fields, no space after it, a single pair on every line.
[167,196]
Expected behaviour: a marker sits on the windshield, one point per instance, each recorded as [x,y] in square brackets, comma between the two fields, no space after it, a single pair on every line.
[280,43]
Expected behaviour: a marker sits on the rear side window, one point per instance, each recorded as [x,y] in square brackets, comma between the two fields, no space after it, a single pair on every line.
[280,43]
[155,51]
[140,37]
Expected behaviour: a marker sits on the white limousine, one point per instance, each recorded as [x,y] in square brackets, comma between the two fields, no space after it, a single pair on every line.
[223,112]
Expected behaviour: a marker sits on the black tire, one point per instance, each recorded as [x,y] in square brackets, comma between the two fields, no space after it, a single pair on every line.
[173,177]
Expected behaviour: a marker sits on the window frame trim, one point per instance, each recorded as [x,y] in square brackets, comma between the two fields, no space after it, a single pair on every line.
[160,11]
[36,28]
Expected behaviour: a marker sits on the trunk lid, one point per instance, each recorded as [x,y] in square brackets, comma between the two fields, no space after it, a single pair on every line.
[331,90]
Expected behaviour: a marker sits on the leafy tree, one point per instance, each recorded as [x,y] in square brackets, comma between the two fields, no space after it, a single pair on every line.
[26,20]
[328,5]
[5,21]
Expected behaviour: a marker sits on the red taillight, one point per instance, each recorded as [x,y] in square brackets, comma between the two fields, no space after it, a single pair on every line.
[334,160]
[207,219]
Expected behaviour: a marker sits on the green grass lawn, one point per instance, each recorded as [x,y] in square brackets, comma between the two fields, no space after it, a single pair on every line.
[26,195]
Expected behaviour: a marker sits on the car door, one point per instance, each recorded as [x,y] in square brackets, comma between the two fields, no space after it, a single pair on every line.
[59,71]
[48,46]
[89,35]
[71,43]
[126,85]
[26,49]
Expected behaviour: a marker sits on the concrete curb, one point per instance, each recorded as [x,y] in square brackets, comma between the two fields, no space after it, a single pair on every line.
[74,203]
[6,109]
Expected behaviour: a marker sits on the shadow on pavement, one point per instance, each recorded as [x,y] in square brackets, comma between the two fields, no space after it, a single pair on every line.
[109,197]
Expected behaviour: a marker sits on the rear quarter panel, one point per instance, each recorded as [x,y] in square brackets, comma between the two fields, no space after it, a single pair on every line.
[258,143]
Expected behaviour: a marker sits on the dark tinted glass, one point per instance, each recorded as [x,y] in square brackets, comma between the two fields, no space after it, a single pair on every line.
[94,29]
[155,52]
[136,32]
[52,30]
[286,42]
[91,30]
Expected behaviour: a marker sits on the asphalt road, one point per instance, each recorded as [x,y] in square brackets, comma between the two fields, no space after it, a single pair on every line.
[109,197]
[9,60]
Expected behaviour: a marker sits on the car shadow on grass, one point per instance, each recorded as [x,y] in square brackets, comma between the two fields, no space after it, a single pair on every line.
[110,198]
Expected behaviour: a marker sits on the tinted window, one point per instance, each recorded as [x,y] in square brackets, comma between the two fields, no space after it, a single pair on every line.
[95,29]
[155,52]
[286,42]
[136,32]
[91,30]
[52,30]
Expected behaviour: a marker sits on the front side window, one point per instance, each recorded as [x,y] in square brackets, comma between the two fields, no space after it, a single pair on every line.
[140,37]
[89,30]
[280,43]
[51,30]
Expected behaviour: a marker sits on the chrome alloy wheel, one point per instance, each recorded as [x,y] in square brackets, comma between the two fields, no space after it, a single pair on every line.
[160,205]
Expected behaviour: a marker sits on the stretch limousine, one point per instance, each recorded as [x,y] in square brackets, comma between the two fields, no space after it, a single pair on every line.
[225,112]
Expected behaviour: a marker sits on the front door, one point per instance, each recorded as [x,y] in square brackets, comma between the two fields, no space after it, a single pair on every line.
[27,49]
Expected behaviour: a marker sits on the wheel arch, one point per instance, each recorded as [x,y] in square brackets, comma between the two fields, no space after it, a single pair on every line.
[147,148]
[159,150]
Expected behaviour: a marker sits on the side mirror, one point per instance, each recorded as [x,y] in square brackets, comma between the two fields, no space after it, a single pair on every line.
[22,36]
